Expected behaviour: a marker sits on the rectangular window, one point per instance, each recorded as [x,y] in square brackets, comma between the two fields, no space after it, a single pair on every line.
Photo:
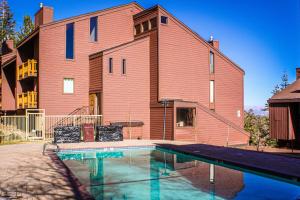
[212,91]
[153,22]
[123,66]
[163,19]
[110,65]
[137,29]
[68,85]
[185,117]
[70,41]
[93,28]
[211,63]
[145,26]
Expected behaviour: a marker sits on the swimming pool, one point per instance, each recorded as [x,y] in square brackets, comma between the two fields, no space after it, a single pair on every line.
[158,174]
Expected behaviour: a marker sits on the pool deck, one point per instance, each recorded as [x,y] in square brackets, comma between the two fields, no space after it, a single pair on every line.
[26,173]
[271,163]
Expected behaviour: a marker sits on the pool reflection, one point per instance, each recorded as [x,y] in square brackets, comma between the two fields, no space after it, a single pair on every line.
[152,174]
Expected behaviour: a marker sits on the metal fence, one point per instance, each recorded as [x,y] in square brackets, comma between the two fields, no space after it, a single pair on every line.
[35,126]
[12,128]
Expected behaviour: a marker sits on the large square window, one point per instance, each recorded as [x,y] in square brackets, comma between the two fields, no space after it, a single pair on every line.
[68,85]
[185,117]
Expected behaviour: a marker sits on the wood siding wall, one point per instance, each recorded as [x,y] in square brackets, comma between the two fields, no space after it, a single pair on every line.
[279,120]
[96,67]
[156,123]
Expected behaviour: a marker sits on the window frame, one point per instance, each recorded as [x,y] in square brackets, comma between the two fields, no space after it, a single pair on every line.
[212,92]
[193,110]
[164,17]
[123,66]
[95,39]
[211,62]
[73,42]
[73,86]
[110,65]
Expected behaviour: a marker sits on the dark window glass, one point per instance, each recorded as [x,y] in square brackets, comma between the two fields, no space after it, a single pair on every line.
[185,117]
[94,28]
[145,26]
[70,41]
[123,66]
[211,63]
[153,22]
[164,19]
[138,29]
[110,66]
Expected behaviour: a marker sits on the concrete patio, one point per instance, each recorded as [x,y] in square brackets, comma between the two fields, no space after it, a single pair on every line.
[26,173]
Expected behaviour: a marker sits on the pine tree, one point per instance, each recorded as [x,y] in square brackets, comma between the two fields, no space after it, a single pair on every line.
[7,23]
[26,29]
[284,81]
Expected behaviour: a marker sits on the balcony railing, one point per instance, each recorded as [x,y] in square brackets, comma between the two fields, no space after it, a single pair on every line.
[27,69]
[27,100]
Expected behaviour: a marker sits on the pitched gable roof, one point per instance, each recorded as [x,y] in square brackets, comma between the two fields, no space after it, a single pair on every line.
[290,94]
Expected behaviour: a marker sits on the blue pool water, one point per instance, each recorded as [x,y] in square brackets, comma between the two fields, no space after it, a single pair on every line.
[158,174]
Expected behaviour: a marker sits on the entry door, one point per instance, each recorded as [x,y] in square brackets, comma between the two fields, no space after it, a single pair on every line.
[95,104]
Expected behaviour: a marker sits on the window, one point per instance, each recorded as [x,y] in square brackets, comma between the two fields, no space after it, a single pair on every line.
[123,66]
[70,41]
[145,26]
[110,65]
[153,22]
[185,117]
[163,19]
[93,28]
[68,85]
[137,29]
[211,63]
[212,91]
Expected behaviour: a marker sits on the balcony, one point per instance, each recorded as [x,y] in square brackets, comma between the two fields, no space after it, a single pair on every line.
[27,100]
[27,69]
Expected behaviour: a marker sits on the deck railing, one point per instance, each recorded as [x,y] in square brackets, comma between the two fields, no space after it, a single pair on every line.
[27,69]
[27,100]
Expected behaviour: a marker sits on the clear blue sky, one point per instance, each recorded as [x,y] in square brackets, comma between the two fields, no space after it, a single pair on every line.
[262,36]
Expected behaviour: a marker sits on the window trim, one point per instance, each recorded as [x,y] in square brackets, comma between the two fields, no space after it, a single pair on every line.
[73,58]
[194,117]
[96,30]
[167,19]
[123,67]
[68,93]
[110,65]
[212,68]
[212,92]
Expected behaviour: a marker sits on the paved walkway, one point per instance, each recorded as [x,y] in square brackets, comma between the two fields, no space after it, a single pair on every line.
[287,167]
[26,174]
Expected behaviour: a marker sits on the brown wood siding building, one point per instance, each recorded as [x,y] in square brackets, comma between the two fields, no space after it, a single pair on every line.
[284,112]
